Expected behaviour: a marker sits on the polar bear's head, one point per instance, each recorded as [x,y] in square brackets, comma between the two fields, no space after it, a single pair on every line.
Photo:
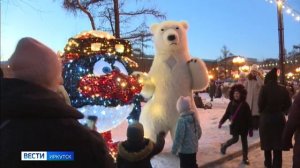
[170,36]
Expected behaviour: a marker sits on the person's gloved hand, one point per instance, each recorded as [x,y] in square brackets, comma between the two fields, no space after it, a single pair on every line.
[251,133]
[220,125]
[162,134]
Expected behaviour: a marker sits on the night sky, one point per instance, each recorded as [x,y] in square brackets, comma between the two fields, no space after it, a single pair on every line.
[247,27]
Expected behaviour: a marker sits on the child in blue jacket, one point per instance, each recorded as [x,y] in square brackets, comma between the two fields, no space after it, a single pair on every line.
[188,132]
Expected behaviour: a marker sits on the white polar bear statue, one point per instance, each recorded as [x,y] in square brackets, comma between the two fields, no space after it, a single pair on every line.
[173,74]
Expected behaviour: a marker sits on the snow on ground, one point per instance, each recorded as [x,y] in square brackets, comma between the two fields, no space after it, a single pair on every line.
[256,158]
[209,144]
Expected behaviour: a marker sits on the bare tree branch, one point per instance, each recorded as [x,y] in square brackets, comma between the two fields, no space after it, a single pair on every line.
[110,20]
[144,11]
[75,5]
[85,10]
[112,16]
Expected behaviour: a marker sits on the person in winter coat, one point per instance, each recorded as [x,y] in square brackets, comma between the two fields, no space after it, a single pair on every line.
[187,135]
[35,118]
[212,90]
[273,103]
[253,84]
[198,101]
[137,151]
[293,127]
[218,89]
[238,112]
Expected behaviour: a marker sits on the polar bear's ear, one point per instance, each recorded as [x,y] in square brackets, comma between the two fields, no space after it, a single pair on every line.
[154,27]
[184,24]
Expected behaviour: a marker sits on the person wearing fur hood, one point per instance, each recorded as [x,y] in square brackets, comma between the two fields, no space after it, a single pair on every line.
[238,112]
[188,132]
[137,151]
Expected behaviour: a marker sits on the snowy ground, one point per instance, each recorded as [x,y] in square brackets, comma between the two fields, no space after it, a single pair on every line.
[256,158]
[209,144]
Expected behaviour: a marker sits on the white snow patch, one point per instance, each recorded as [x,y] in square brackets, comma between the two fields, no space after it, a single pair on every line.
[209,144]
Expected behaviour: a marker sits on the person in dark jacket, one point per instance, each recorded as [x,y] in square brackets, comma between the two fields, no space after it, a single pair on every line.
[218,89]
[293,127]
[137,151]
[239,113]
[212,90]
[35,118]
[198,101]
[273,102]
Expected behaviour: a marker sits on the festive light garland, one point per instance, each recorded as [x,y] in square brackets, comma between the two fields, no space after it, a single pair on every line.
[288,9]
[270,64]
[110,86]
[83,61]
[135,114]
[112,146]
[87,44]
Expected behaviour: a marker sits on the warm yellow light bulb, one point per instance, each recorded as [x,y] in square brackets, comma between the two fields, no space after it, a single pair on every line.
[279,2]
[123,84]
[140,80]
[119,48]
[95,46]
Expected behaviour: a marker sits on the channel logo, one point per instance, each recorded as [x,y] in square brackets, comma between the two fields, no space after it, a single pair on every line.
[47,156]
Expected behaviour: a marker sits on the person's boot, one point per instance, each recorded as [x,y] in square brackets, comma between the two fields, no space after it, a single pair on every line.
[246,161]
[268,159]
[223,148]
[245,158]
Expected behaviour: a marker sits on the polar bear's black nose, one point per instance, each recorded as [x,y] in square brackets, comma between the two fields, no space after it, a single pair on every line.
[171,37]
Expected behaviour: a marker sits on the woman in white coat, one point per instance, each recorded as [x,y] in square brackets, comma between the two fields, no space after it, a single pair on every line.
[253,84]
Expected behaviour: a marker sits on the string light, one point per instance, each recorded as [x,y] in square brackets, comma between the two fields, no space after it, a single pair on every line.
[89,44]
[270,64]
[114,85]
[289,10]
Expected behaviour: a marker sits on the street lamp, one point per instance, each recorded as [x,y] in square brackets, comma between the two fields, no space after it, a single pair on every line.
[238,61]
[281,40]
[244,68]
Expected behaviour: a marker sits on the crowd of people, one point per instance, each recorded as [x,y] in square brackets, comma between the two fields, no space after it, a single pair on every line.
[36,116]
[262,104]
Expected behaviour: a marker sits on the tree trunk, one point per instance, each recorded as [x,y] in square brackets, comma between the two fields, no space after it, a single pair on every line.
[117,18]
[91,20]
[88,14]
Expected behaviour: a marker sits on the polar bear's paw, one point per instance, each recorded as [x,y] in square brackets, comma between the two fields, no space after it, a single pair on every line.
[199,74]
[148,86]
[193,60]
